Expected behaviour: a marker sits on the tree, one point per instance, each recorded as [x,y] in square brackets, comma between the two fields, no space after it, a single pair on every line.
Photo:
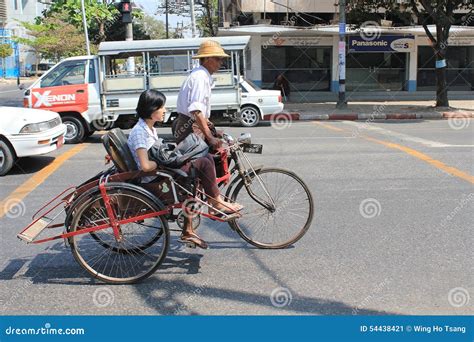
[100,16]
[53,38]
[5,51]
[144,28]
[153,27]
[206,18]
[440,13]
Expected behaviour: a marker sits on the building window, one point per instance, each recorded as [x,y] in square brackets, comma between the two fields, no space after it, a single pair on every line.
[460,71]
[376,71]
[306,69]
[15,5]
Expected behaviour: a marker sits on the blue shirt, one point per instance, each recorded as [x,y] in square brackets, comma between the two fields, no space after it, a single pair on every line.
[142,136]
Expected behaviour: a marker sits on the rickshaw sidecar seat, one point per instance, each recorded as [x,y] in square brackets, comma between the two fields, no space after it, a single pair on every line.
[115,143]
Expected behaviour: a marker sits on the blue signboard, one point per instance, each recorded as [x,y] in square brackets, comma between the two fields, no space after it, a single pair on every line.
[380,43]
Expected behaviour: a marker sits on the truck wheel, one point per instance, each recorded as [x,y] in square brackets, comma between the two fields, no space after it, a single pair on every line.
[249,116]
[6,158]
[76,132]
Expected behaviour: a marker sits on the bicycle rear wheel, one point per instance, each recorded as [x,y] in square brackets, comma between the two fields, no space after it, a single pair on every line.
[143,245]
[286,216]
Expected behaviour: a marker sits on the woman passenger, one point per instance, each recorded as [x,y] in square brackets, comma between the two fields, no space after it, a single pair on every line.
[151,109]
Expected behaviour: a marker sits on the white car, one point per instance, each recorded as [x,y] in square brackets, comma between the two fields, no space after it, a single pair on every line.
[27,132]
[256,103]
[252,107]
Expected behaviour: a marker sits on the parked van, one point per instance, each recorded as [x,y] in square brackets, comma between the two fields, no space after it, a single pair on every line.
[42,68]
[100,92]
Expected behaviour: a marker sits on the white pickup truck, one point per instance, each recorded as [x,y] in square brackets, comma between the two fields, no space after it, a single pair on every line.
[100,92]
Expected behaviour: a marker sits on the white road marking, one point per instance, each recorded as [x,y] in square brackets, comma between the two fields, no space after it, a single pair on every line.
[305,138]
[401,136]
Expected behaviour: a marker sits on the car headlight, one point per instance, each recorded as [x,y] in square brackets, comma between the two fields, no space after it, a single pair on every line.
[41,126]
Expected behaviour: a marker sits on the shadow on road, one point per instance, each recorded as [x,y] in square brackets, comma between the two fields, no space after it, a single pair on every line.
[28,165]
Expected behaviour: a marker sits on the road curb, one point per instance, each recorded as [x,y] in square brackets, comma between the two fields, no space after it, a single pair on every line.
[295,116]
[458,115]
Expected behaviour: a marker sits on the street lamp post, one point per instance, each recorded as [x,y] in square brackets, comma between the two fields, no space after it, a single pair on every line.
[84,23]
[341,102]
[193,18]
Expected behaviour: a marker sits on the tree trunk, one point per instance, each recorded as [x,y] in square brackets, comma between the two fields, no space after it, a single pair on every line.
[101,32]
[441,48]
[209,18]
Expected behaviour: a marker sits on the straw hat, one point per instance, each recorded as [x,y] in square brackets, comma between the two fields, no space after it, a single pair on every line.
[210,48]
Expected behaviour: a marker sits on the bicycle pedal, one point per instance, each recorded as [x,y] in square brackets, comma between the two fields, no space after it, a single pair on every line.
[188,244]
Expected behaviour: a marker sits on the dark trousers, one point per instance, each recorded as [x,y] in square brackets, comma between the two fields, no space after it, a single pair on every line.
[206,171]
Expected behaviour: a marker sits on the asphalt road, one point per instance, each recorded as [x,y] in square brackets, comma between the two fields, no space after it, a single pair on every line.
[392,232]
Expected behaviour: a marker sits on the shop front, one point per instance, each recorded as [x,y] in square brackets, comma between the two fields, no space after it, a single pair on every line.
[389,60]
[378,64]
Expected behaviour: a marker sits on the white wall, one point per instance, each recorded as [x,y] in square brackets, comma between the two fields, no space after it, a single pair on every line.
[315,6]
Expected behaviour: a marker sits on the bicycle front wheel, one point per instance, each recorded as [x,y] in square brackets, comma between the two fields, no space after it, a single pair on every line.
[143,243]
[278,209]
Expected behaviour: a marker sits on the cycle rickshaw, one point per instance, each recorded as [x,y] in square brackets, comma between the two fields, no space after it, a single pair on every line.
[118,230]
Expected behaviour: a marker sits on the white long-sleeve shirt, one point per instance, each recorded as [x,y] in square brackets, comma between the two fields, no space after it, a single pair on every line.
[195,93]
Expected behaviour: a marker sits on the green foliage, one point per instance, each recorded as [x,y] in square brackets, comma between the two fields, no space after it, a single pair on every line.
[154,28]
[99,16]
[54,38]
[207,21]
[5,50]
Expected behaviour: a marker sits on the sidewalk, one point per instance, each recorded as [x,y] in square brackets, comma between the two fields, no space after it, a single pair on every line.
[377,111]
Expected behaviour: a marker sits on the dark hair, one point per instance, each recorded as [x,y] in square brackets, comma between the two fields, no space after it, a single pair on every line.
[149,101]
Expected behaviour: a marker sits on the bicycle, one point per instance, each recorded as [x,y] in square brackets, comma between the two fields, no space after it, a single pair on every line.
[118,230]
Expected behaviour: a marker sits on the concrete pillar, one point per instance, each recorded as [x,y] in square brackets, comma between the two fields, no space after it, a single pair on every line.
[254,71]
[413,68]
[335,61]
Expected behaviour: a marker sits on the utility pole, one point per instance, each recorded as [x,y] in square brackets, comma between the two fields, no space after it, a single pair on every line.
[167,27]
[341,102]
[126,10]
[84,23]
[193,18]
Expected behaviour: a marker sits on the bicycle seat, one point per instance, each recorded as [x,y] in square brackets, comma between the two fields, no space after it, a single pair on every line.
[115,143]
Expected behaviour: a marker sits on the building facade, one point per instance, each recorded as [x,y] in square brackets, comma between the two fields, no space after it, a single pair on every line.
[12,12]
[299,40]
